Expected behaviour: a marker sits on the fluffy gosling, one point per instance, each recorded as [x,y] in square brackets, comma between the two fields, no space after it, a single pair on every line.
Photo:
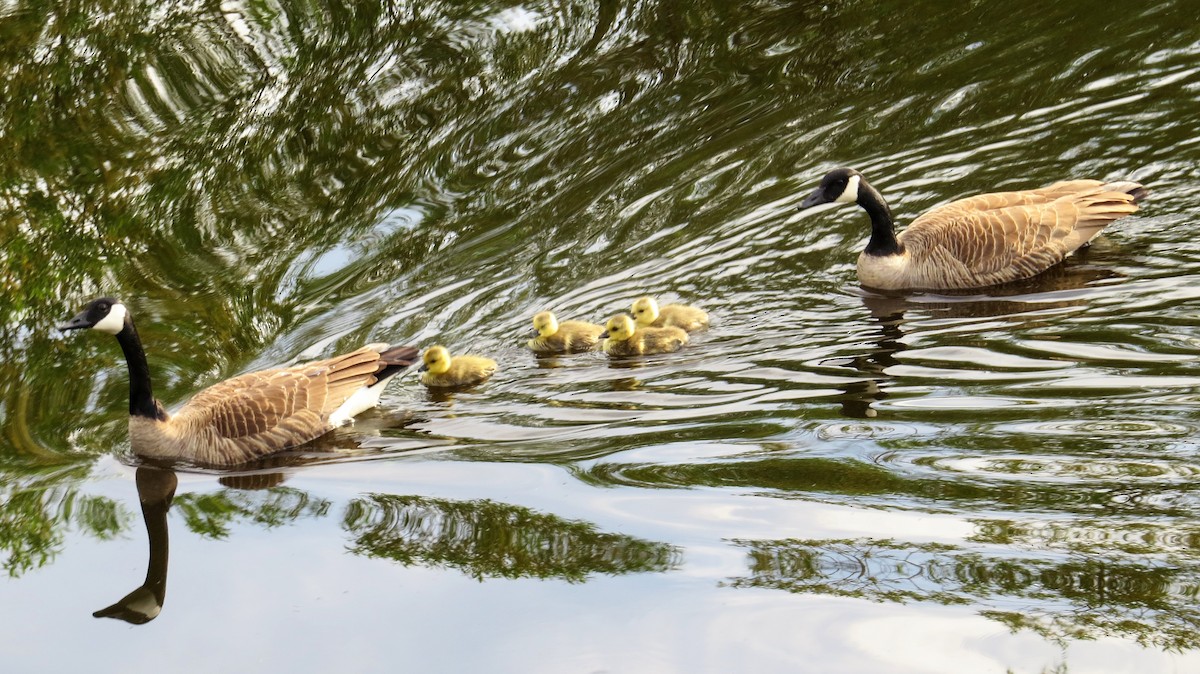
[623,337]
[441,371]
[648,314]
[566,337]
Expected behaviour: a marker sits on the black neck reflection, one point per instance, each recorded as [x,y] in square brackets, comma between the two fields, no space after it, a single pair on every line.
[156,489]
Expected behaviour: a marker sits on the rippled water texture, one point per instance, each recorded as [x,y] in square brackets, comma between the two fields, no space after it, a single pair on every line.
[827,480]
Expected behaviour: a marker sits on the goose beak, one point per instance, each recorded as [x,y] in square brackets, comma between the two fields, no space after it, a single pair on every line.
[815,199]
[423,368]
[533,334]
[603,335]
[78,323]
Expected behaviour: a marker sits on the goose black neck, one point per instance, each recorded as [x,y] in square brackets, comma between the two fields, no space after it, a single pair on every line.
[141,396]
[883,229]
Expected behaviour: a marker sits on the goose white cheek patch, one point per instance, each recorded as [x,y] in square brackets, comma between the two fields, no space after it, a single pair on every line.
[114,322]
[850,194]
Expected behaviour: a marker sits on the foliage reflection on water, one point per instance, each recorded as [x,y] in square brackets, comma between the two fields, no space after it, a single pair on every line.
[1068,597]
[479,538]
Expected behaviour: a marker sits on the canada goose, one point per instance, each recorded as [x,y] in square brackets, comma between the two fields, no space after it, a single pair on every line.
[623,337]
[648,315]
[565,337]
[251,415]
[982,240]
[441,371]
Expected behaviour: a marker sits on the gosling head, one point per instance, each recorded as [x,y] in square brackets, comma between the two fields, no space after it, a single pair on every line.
[436,360]
[545,324]
[645,311]
[619,328]
[104,314]
[840,185]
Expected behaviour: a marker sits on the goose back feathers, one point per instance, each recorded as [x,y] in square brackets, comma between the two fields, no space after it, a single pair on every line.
[264,412]
[983,240]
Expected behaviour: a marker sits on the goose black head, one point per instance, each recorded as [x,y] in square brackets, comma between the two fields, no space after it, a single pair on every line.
[105,314]
[839,185]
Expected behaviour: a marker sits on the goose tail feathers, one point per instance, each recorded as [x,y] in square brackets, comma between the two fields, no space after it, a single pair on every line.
[1135,190]
[396,359]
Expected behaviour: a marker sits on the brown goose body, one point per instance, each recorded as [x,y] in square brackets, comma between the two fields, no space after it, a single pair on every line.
[260,413]
[252,415]
[983,240]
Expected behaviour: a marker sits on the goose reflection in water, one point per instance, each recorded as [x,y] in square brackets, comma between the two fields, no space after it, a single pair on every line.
[156,489]
[1024,301]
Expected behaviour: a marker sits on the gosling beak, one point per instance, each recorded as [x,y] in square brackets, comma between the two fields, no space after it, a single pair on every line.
[815,199]
[78,323]
[423,368]
[603,335]
[533,334]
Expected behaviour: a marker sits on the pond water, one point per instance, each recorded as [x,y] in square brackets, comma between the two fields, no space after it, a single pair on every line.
[827,480]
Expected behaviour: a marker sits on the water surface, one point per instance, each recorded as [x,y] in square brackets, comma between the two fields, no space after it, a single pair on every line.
[827,480]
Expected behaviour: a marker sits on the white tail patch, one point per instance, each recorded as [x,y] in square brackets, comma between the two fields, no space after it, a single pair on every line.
[363,399]
[114,322]
[850,194]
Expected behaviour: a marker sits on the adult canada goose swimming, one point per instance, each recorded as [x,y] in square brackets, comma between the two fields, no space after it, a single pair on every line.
[648,315]
[439,370]
[251,415]
[565,337]
[982,240]
[624,337]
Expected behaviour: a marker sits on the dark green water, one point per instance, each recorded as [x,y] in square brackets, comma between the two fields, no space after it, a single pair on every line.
[826,481]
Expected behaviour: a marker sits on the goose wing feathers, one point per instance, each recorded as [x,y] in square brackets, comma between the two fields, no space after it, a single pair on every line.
[270,410]
[1004,236]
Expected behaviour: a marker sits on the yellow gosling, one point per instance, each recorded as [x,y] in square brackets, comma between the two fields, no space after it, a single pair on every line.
[442,371]
[623,337]
[648,314]
[565,337]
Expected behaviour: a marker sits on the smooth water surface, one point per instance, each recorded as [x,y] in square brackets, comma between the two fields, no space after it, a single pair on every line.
[826,481]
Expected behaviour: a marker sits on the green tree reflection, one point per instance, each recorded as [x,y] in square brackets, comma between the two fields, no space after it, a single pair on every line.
[805,477]
[212,514]
[485,539]
[35,514]
[1065,596]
